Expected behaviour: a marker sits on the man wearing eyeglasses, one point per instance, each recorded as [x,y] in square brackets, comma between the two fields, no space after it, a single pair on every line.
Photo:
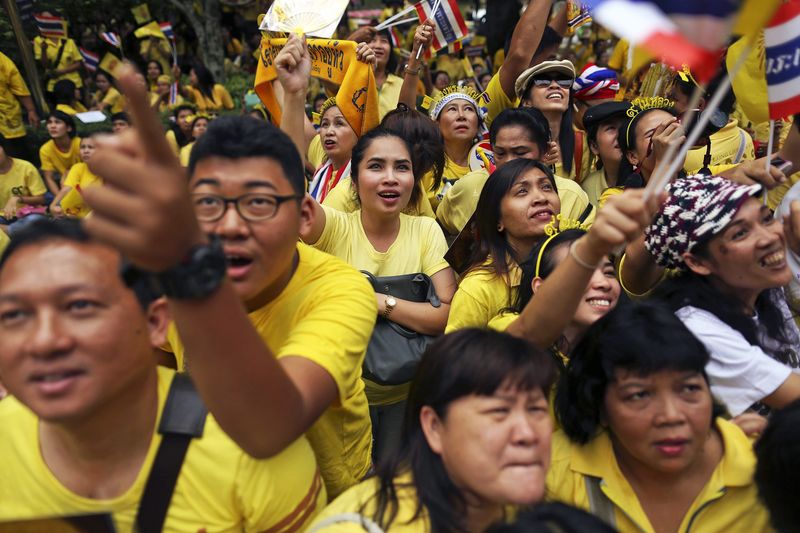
[229,258]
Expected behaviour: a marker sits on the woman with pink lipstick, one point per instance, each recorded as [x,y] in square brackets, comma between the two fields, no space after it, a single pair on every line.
[729,254]
[642,445]
[380,239]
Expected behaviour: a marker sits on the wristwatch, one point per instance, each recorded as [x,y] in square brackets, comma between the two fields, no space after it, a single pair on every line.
[197,276]
[414,71]
[388,306]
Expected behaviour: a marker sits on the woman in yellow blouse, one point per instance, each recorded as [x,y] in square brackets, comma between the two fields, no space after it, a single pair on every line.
[643,445]
[206,94]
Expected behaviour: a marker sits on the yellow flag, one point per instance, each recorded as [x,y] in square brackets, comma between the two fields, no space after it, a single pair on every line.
[110,63]
[141,13]
[150,30]
[754,15]
[750,83]
[467,67]
[331,60]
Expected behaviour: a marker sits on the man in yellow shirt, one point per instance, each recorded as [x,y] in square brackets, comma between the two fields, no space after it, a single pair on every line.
[60,60]
[20,185]
[276,348]
[82,432]
[62,150]
[14,92]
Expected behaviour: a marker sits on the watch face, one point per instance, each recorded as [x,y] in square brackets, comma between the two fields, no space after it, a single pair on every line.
[391,302]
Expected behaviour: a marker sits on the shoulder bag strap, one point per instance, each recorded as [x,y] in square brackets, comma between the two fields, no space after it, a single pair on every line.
[60,54]
[742,147]
[599,504]
[183,419]
[586,213]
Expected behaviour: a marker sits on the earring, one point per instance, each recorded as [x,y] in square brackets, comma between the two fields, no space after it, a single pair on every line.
[499,228]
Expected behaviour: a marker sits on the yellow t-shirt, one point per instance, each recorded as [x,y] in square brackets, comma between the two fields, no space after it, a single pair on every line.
[79,177]
[221,99]
[730,145]
[4,240]
[361,499]
[22,179]
[220,488]
[113,100]
[451,174]
[481,296]
[728,502]
[325,314]
[11,86]
[389,94]
[54,159]
[461,199]
[344,198]
[495,100]
[594,185]
[419,247]
[70,110]
[68,57]
[186,153]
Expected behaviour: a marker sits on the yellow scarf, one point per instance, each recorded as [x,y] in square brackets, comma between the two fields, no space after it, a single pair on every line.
[331,60]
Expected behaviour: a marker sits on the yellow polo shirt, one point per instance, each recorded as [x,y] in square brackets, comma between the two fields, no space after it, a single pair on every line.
[481,296]
[4,240]
[68,57]
[459,202]
[730,145]
[389,94]
[728,502]
[11,86]
[220,488]
[325,314]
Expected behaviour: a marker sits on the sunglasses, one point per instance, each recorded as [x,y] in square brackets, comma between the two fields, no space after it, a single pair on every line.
[566,83]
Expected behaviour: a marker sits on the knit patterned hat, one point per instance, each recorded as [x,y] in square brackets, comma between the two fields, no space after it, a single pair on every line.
[697,208]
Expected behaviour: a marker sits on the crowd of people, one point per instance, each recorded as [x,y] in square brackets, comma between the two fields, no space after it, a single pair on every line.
[448,301]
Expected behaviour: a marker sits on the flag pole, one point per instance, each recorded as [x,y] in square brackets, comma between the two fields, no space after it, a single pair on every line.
[28,62]
[432,17]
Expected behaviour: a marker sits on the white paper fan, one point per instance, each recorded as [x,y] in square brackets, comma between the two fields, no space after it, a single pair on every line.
[303,16]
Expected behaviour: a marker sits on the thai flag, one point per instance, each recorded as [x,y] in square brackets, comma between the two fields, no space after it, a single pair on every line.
[173,93]
[782,44]
[397,39]
[678,32]
[111,38]
[450,25]
[50,26]
[90,60]
[166,29]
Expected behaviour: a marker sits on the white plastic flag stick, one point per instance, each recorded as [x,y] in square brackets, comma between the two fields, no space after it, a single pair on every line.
[385,24]
[768,161]
[658,181]
[432,17]
[397,23]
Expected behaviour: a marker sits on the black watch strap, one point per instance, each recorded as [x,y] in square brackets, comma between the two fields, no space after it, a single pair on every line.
[198,276]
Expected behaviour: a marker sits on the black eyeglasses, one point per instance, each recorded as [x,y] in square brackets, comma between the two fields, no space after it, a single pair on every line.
[566,83]
[252,207]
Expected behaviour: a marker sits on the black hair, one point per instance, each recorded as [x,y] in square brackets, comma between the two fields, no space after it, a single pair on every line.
[236,137]
[147,65]
[180,137]
[468,362]
[627,176]
[66,119]
[690,288]
[43,230]
[108,76]
[205,80]
[490,241]
[554,517]
[638,336]
[728,102]
[778,467]
[64,92]
[3,143]
[435,74]
[121,115]
[546,247]
[425,139]
[182,107]
[366,140]
[529,118]
[391,64]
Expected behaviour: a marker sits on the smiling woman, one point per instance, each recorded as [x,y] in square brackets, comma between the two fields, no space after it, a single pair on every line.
[642,446]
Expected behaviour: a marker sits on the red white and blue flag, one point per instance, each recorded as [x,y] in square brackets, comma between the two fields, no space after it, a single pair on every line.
[173,93]
[90,60]
[166,29]
[50,26]
[782,45]
[450,25]
[678,32]
[111,38]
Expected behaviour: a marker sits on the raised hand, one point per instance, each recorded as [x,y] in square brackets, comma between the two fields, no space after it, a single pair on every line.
[293,64]
[423,37]
[144,208]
